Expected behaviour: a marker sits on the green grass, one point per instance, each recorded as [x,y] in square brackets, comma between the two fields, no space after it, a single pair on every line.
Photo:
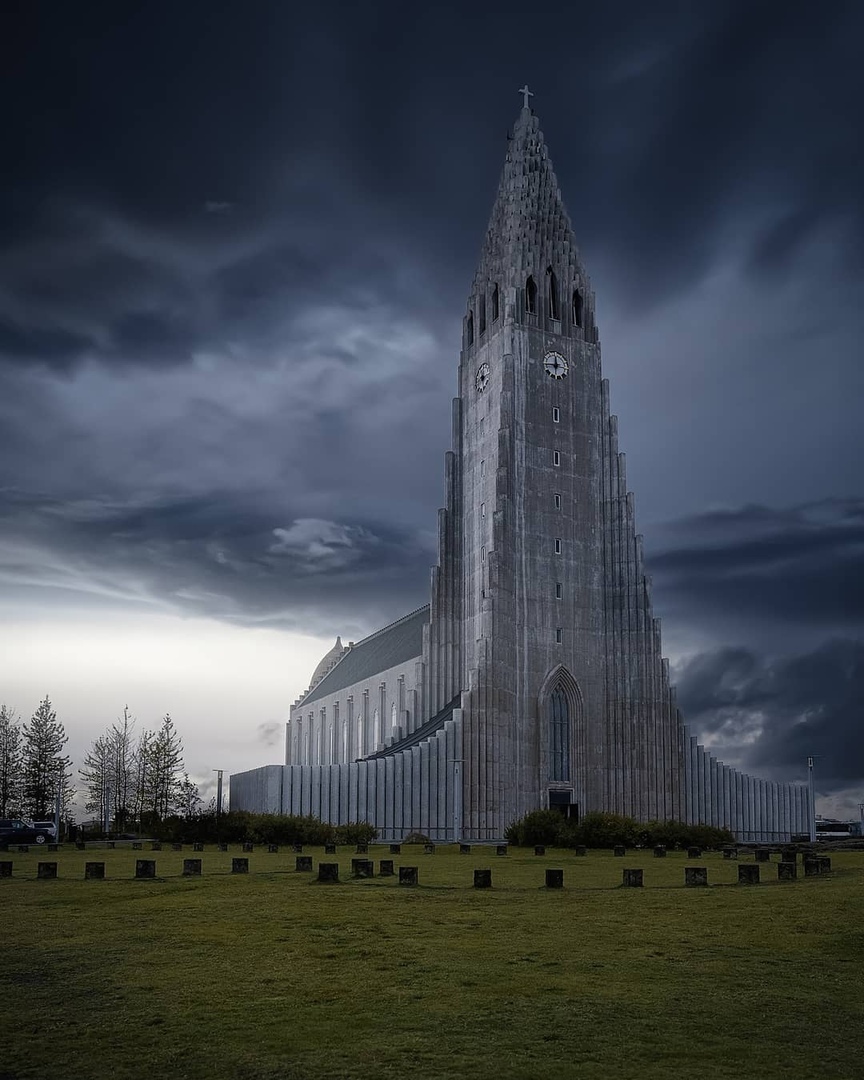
[275,976]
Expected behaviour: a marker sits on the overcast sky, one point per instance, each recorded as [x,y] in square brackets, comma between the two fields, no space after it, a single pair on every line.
[237,240]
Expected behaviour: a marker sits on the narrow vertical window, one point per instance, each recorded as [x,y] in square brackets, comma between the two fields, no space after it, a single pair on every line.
[469,330]
[483,467]
[483,554]
[557,545]
[531,296]
[552,294]
[482,509]
[559,590]
[483,314]
[559,635]
[496,303]
[577,307]
[556,457]
[557,501]
[556,415]
[559,735]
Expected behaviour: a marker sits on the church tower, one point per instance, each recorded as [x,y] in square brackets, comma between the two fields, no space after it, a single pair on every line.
[565,699]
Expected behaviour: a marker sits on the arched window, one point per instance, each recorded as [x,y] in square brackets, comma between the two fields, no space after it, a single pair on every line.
[393,717]
[559,735]
[469,331]
[482,314]
[552,293]
[577,307]
[376,730]
[344,753]
[531,296]
[496,303]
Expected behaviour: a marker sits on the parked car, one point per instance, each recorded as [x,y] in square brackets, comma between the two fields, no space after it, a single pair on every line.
[21,831]
[48,826]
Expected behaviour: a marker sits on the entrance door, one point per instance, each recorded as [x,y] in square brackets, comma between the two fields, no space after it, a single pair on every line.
[562,801]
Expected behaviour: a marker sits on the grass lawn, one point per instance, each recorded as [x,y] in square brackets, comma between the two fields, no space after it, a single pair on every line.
[272,975]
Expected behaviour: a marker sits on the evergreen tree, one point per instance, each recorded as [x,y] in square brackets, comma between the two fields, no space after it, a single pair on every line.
[11,764]
[46,769]
[165,768]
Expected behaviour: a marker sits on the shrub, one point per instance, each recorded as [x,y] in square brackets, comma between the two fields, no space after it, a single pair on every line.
[601,829]
[356,832]
[538,827]
[416,838]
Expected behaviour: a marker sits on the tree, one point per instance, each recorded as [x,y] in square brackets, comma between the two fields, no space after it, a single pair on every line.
[140,808]
[164,770]
[46,770]
[189,798]
[10,763]
[122,769]
[95,774]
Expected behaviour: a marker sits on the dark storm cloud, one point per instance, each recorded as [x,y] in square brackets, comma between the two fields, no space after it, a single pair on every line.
[802,564]
[214,556]
[771,713]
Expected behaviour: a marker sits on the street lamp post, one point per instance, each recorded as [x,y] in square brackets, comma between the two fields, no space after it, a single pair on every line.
[218,801]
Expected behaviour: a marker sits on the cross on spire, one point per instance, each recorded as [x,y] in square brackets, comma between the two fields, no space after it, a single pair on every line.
[526,93]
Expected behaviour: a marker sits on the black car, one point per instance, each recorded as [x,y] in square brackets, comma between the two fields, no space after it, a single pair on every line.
[20,831]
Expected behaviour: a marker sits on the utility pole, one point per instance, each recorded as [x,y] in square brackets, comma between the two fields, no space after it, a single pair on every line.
[861,816]
[812,801]
[218,801]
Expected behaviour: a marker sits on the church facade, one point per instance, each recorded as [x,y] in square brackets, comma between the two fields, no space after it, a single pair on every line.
[534,678]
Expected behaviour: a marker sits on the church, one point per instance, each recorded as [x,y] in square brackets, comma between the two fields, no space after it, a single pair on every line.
[534,677]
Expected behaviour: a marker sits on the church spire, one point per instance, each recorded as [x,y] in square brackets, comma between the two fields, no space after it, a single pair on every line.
[529,252]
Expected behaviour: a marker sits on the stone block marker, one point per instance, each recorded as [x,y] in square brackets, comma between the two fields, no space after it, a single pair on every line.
[197,846]
[811,866]
[137,846]
[748,873]
[730,853]
[273,849]
[395,849]
[362,868]
[763,854]
[789,854]
[482,879]
[409,875]
[464,849]
[500,849]
[428,849]
[303,864]
[554,879]
[824,864]
[23,849]
[297,849]
[695,876]
[46,871]
[539,849]
[632,879]
[660,852]
[328,871]
[111,844]
[362,849]
[145,868]
[239,866]
[53,847]
[694,852]
[619,851]
[786,871]
[191,868]
[156,846]
[385,868]
[222,847]
[5,868]
[94,871]
[248,847]
[581,849]
[176,847]
[329,849]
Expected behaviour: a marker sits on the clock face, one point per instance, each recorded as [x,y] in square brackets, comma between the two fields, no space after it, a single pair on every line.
[482,377]
[555,364]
